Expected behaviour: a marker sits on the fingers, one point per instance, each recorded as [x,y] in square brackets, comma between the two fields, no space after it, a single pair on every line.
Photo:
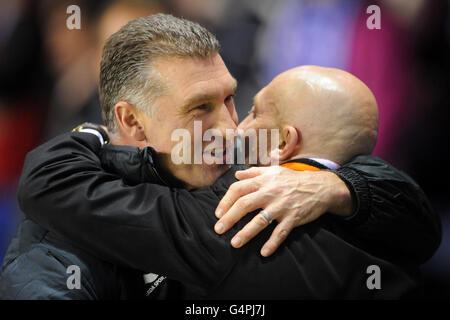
[251,229]
[279,234]
[240,208]
[247,174]
[236,191]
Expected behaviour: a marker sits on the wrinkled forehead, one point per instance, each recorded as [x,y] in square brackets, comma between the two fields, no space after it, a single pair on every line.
[187,75]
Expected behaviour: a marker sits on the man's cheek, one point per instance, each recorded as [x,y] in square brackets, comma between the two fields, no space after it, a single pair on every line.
[160,140]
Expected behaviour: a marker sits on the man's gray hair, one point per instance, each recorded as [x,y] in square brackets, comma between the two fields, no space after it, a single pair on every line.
[126,68]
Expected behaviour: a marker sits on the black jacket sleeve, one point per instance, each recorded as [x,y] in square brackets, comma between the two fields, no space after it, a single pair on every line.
[147,227]
[393,215]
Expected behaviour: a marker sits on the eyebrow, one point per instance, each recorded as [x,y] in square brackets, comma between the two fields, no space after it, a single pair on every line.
[195,101]
[203,97]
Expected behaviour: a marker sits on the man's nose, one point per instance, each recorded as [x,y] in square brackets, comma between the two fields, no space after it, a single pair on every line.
[244,123]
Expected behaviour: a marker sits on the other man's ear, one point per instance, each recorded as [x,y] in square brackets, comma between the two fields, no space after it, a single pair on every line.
[129,119]
[290,140]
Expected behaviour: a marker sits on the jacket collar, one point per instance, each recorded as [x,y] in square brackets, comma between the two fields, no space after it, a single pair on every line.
[308,164]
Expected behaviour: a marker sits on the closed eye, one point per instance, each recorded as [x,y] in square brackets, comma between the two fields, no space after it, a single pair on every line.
[203,107]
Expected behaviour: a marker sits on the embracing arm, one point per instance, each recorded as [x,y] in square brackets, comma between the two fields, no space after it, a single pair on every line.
[390,215]
[146,227]
[153,228]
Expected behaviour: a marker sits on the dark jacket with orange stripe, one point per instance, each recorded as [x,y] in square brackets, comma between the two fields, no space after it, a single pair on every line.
[134,224]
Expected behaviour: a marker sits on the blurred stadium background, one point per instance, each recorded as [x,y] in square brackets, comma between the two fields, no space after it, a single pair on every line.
[49,74]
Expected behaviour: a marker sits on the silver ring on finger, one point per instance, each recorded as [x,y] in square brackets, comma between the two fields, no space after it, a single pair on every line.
[266,215]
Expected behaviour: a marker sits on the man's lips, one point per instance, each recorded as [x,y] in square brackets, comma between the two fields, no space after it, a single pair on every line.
[219,153]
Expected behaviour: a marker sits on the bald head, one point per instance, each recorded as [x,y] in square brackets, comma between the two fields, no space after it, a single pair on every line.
[335,113]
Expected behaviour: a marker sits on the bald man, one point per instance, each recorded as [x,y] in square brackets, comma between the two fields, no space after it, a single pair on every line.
[325,117]
[319,112]
[170,231]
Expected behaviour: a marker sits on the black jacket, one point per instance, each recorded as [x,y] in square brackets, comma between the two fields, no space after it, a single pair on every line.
[36,264]
[170,231]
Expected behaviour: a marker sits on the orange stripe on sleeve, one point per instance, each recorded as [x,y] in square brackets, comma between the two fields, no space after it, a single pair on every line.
[299,166]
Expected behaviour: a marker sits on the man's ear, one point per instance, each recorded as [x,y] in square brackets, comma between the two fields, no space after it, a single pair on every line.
[289,143]
[130,122]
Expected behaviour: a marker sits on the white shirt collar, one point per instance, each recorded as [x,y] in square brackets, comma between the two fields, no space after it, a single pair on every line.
[327,163]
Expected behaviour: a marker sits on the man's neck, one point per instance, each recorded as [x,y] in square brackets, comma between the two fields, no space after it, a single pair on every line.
[119,140]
